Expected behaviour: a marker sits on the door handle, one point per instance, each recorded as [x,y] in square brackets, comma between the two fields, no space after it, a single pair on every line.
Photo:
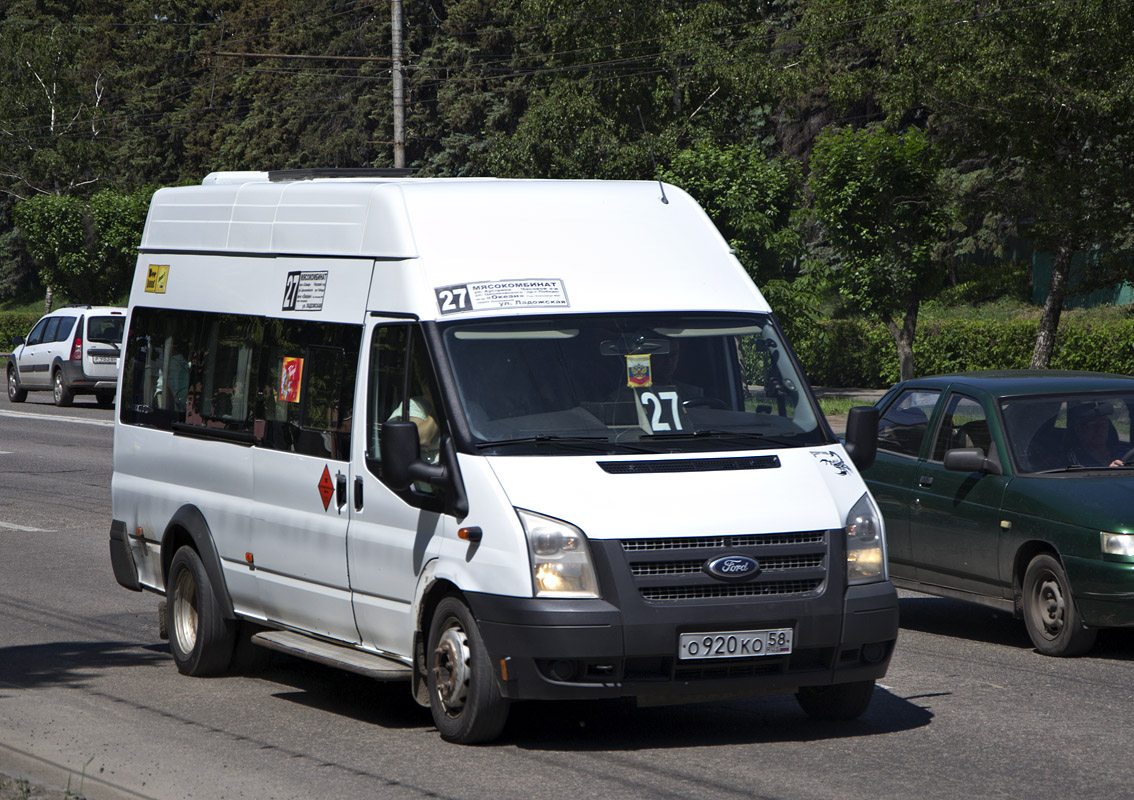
[340,490]
[357,492]
[925,481]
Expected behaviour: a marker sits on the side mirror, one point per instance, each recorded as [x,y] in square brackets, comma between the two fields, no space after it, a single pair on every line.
[401,457]
[17,341]
[862,435]
[970,459]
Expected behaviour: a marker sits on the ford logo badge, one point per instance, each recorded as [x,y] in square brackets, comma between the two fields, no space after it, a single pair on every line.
[733,568]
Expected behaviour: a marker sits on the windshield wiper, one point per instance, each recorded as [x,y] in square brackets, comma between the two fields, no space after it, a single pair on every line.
[589,442]
[714,433]
[1079,468]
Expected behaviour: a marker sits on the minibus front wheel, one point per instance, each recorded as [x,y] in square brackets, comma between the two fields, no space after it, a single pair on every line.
[466,703]
[200,638]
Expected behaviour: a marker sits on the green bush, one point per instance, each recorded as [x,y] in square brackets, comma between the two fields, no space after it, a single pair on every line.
[862,353]
[15,323]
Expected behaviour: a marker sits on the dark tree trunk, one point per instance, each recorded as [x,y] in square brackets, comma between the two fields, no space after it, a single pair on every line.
[904,337]
[1052,307]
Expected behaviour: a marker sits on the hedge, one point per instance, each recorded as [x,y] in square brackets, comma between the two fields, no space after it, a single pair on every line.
[862,353]
[15,323]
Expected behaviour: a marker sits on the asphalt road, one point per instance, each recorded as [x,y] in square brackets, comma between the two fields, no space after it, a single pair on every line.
[90,698]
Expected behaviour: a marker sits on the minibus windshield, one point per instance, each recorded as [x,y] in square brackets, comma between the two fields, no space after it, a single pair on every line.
[666,382]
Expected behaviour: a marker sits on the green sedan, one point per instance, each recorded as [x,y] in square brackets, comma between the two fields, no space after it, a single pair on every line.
[1014,489]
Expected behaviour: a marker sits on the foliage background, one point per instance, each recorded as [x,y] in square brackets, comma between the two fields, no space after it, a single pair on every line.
[1016,115]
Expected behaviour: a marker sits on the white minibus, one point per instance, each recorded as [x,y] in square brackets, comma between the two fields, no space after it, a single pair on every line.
[503,440]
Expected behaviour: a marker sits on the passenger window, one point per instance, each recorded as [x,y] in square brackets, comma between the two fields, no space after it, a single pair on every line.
[63,331]
[49,333]
[963,425]
[219,381]
[287,383]
[903,426]
[402,387]
[36,335]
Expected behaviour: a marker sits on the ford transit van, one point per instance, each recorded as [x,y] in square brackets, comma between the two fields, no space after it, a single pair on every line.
[503,440]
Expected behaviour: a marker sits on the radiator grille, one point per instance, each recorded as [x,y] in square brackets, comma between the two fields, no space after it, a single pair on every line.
[792,564]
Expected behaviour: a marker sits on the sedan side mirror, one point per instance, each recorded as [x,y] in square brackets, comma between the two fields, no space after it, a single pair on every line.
[970,459]
[862,435]
[17,341]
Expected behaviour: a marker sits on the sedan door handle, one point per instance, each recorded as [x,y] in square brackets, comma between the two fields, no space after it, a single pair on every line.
[925,481]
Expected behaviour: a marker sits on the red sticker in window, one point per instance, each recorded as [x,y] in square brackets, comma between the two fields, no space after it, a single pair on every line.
[290,377]
[326,488]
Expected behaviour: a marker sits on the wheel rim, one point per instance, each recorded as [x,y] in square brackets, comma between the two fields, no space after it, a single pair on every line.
[451,672]
[1049,605]
[185,611]
[58,387]
[12,386]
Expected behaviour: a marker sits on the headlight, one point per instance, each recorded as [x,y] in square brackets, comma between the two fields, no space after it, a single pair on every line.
[1118,544]
[866,552]
[561,560]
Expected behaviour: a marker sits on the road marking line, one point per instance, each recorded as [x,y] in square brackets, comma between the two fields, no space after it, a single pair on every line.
[80,420]
[14,527]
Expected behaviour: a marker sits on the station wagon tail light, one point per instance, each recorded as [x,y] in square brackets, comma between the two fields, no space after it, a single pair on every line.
[866,555]
[1118,544]
[561,559]
[77,348]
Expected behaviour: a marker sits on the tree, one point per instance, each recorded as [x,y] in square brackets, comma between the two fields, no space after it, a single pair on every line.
[85,248]
[1030,103]
[877,201]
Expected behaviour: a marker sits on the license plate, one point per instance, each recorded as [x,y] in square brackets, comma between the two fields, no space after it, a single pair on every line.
[104,360]
[734,644]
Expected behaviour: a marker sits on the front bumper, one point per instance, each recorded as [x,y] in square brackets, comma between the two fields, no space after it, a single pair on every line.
[589,649]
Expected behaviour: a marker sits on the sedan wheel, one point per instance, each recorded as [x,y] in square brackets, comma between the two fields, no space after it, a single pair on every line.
[1050,612]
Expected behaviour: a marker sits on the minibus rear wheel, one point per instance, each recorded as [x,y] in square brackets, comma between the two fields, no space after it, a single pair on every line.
[466,703]
[200,638]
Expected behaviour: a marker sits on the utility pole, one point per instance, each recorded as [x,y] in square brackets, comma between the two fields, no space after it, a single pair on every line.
[399,88]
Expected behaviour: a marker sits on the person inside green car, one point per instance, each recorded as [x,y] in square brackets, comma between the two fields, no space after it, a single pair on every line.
[1092,440]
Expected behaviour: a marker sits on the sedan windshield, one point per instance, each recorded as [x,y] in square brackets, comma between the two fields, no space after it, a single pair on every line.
[1056,433]
[629,383]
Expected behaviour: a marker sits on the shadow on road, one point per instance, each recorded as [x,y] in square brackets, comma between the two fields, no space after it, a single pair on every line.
[598,725]
[69,663]
[615,726]
[946,617]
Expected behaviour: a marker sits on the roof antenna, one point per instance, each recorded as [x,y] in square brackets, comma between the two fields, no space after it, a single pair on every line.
[653,158]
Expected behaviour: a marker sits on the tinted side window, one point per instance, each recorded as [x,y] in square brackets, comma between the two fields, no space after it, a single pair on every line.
[51,331]
[902,428]
[964,424]
[63,331]
[288,384]
[400,393]
[36,335]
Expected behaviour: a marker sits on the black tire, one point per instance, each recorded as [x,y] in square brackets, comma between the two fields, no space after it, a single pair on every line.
[466,703]
[15,393]
[200,638]
[105,399]
[840,701]
[60,389]
[1050,612]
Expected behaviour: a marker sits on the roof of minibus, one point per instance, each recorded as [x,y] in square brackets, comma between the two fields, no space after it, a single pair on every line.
[464,229]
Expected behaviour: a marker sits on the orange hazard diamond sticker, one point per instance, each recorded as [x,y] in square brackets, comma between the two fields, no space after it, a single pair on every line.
[326,488]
